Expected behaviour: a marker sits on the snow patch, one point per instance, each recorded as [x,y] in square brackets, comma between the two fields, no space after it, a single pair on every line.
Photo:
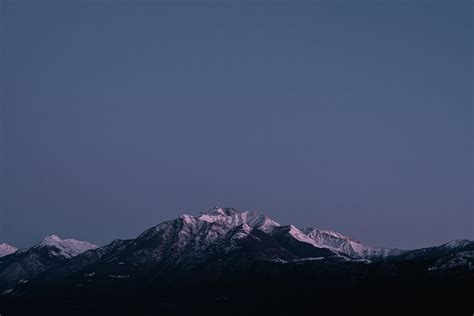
[458,243]
[66,248]
[346,245]
[6,249]
[234,218]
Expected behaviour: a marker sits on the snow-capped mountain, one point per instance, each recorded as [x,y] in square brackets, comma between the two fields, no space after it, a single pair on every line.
[189,240]
[51,252]
[233,217]
[223,255]
[330,240]
[6,250]
[346,245]
[221,238]
[304,247]
[333,241]
[66,248]
[457,243]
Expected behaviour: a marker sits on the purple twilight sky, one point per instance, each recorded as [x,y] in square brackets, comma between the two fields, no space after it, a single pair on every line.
[355,116]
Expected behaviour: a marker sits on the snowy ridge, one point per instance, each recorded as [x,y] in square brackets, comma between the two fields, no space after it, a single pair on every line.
[51,252]
[229,218]
[457,243]
[6,250]
[295,233]
[189,239]
[347,245]
[242,232]
[331,240]
[233,217]
[223,238]
[66,248]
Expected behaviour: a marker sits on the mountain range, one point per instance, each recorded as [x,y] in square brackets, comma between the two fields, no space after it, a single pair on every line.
[215,253]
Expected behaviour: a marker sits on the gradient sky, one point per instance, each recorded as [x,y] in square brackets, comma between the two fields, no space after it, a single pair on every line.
[355,116]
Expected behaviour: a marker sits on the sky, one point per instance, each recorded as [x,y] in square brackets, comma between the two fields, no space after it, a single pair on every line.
[355,116]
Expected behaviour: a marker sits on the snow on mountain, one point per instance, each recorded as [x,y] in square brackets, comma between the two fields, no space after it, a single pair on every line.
[296,233]
[179,244]
[347,245]
[6,250]
[66,248]
[51,252]
[219,239]
[229,218]
[192,239]
[241,232]
[457,243]
[296,241]
[318,238]
[87,258]
[186,239]
[233,217]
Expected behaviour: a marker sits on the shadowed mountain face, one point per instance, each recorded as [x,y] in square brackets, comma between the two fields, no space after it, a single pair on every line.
[22,265]
[226,258]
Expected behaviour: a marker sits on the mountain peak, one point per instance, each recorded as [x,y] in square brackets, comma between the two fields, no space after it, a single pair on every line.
[234,217]
[6,249]
[224,211]
[330,233]
[65,247]
[51,239]
[457,243]
[188,218]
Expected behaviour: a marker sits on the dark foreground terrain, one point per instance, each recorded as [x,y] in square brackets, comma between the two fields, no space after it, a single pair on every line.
[317,288]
